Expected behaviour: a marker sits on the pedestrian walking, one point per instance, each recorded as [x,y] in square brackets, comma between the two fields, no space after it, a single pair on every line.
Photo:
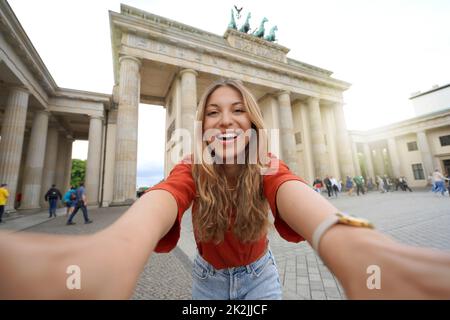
[381,186]
[370,184]
[80,203]
[4,195]
[349,185]
[404,184]
[69,200]
[230,204]
[52,196]
[328,185]
[359,181]
[317,185]
[448,183]
[334,186]
[439,181]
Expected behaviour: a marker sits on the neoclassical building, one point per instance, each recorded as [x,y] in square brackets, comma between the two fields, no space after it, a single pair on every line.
[163,62]
[159,61]
[412,148]
[39,121]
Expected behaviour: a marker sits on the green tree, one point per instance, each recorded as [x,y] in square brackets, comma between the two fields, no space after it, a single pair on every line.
[78,172]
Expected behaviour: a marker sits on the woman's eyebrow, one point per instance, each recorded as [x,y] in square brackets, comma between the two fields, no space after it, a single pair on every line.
[216,105]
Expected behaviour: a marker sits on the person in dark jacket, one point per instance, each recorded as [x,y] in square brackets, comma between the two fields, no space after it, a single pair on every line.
[329,186]
[52,196]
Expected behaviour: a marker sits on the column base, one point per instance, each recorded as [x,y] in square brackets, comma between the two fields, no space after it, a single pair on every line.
[32,207]
[30,210]
[127,202]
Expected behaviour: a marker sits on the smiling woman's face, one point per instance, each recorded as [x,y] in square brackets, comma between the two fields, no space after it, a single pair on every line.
[225,122]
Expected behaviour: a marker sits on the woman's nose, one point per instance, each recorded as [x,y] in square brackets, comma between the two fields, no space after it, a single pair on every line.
[226,119]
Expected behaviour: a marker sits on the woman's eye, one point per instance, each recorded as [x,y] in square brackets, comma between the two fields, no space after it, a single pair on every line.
[239,110]
[211,113]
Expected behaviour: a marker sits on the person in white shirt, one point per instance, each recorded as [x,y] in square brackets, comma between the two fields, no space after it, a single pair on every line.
[439,181]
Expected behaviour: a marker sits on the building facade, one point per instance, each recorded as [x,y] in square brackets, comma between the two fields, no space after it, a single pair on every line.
[412,148]
[39,122]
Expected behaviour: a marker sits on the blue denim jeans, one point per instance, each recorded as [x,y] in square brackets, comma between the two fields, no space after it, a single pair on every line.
[440,187]
[79,205]
[52,206]
[256,281]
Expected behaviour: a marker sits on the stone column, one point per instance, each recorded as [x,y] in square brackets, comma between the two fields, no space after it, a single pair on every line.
[356,159]
[331,144]
[188,100]
[61,161]
[34,164]
[108,181]
[317,138]
[68,164]
[127,131]
[307,146]
[11,143]
[287,138]
[425,152]
[369,163]
[379,161]
[51,152]
[393,155]
[93,160]
[344,150]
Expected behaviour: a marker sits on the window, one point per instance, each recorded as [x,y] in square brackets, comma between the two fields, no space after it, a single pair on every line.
[412,146]
[445,140]
[298,137]
[418,171]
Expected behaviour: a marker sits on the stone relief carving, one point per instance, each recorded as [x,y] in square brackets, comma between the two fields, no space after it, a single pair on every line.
[223,63]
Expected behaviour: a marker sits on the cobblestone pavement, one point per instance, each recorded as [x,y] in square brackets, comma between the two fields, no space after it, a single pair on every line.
[418,218]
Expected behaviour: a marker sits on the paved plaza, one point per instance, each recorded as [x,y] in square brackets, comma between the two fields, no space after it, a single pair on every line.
[418,218]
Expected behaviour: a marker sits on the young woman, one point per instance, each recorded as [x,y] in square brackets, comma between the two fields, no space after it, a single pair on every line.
[230,198]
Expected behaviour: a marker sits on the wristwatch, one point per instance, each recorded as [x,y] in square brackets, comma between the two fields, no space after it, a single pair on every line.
[337,218]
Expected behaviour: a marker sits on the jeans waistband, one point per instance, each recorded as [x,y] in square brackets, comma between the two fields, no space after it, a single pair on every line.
[247,268]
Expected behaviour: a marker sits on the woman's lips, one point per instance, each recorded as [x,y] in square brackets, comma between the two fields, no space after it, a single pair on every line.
[229,140]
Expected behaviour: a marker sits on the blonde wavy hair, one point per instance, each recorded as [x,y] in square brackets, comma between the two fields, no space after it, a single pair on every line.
[215,200]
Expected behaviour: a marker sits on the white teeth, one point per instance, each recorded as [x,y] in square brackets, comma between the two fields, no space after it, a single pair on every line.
[227,136]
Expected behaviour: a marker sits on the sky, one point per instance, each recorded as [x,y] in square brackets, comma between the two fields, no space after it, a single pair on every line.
[386,49]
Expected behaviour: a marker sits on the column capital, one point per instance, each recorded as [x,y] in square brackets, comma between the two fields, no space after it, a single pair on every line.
[18,88]
[282,92]
[134,59]
[195,73]
[311,99]
[43,112]
[95,116]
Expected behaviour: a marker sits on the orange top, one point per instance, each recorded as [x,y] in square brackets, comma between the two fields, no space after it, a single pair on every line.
[231,252]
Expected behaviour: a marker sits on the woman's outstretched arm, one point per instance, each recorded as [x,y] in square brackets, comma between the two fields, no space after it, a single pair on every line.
[406,272]
[34,266]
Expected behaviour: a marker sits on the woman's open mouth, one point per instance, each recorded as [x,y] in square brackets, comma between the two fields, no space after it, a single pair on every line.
[226,138]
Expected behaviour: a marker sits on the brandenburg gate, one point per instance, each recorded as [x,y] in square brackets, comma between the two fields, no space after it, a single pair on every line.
[159,61]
